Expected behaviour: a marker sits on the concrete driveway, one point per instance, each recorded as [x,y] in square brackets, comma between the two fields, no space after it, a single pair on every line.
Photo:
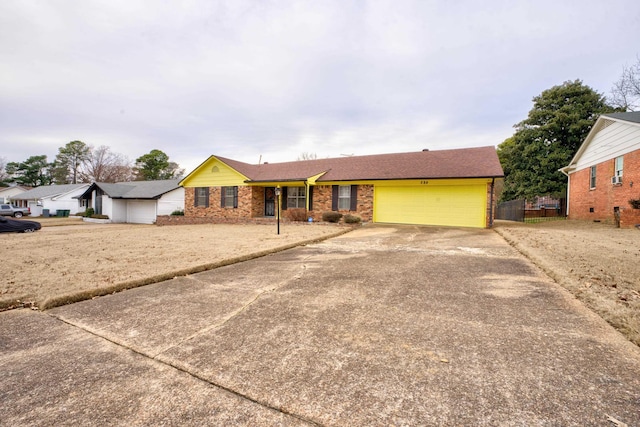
[382,326]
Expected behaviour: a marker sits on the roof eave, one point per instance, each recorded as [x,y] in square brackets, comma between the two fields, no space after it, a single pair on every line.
[592,133]
[201,165]
[567,169]
[412,178]
[262,181]
[88,190]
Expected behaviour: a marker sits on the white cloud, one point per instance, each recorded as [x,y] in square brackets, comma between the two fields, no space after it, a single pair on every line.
[273,78]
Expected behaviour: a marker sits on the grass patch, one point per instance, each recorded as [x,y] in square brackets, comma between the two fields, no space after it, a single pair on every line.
[596,262]
[544,219]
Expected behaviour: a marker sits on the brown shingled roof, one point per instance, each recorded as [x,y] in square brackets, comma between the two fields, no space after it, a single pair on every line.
[481,162]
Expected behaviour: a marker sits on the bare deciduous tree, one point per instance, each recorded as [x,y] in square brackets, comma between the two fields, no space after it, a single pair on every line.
[626,91]
[307,156]
[5,178]
[106,166]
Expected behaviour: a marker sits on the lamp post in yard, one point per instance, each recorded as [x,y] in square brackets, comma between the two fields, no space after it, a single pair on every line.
[278,191]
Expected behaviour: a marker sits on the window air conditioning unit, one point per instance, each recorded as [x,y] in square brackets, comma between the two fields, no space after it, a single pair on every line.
[616,180]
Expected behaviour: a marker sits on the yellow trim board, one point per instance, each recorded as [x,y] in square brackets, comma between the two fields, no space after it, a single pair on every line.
[411,182]
[213,173]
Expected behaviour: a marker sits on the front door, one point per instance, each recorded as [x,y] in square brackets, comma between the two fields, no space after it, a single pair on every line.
[270,201]
[98,208]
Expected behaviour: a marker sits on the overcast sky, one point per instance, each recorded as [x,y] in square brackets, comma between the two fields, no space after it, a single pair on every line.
[270,80]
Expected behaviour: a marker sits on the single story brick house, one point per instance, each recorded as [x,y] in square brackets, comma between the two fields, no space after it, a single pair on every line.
[445,187]
[605,172]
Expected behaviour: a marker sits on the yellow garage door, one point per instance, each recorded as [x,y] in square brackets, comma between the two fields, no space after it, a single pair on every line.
[450,205]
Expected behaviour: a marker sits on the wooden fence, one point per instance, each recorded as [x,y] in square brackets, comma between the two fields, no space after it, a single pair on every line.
[516,210]
[513,210]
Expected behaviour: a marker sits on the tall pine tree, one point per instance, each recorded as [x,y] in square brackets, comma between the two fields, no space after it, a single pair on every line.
[69,161]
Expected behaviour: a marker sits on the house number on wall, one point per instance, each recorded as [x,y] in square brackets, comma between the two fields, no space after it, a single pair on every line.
[424,182]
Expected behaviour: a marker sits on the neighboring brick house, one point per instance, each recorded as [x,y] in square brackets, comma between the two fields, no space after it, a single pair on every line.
[445,187]
[605,172]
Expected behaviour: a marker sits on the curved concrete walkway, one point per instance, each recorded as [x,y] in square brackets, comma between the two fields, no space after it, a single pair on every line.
[382,326]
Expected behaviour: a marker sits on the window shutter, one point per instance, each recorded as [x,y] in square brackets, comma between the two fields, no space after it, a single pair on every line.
[334,198]
[235,196]
[284,199]
[223,191]
[310,196]
[195,196]
[206,200]
[354,198]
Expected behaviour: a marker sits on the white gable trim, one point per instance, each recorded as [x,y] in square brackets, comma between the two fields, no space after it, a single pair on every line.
[611,142]
[75,192]
[609,138]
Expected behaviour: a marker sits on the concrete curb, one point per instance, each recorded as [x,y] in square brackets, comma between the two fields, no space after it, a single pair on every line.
[556,276]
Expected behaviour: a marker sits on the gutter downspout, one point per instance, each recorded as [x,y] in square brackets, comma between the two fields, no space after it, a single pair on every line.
[306,197]
[566,213]
[493,180]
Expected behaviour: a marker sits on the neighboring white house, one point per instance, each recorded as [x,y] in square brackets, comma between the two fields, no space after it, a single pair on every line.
[53,198]
[7,193]
[138,202]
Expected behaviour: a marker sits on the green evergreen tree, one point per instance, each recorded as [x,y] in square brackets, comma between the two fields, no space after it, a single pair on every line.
[156,165]
[547,139]
[33,172]
[69,161]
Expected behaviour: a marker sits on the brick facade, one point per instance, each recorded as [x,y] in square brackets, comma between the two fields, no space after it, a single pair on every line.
[257,202]
[251,205]
[598,204]
[215,211]
[186,220]
[322,201]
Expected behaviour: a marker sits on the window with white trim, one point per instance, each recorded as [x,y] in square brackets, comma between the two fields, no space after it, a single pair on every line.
[592,177]
[344,197]
[619,165]
[296,197]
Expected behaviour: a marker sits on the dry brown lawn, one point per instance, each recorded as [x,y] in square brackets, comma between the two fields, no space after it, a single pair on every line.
[597,263]
[62,264]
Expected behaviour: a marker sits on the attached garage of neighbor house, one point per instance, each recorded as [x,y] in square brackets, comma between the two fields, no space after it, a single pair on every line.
[136,202]
[447,203]
[141,211]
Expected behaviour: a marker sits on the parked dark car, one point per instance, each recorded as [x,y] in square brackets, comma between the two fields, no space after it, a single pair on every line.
[18,226]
